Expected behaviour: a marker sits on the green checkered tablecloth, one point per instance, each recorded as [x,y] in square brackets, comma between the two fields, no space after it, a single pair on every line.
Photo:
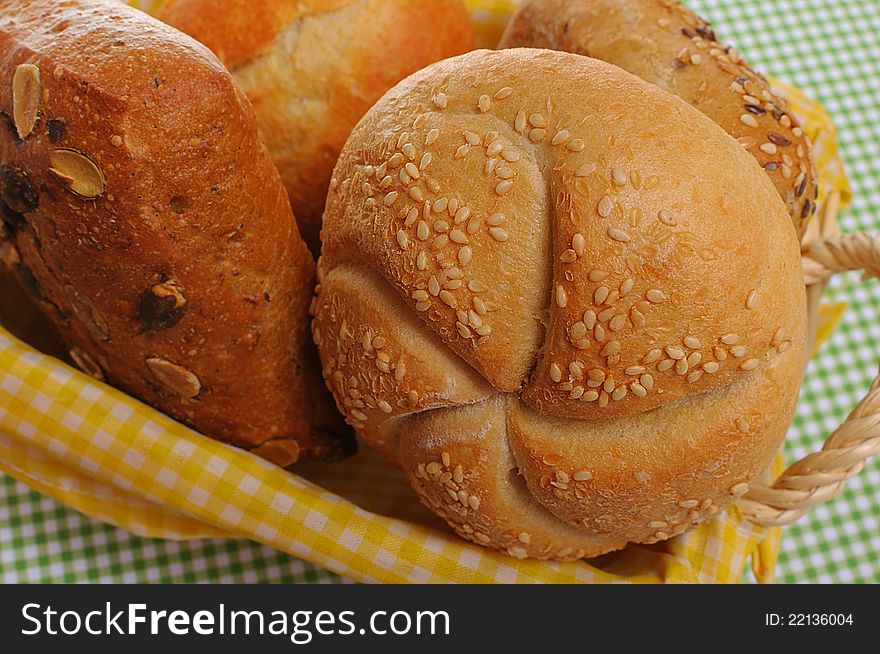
[830,49]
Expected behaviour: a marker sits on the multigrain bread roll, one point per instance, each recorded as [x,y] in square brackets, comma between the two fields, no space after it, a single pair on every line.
[150,224]
[564,301]
[666,44]
[312,68]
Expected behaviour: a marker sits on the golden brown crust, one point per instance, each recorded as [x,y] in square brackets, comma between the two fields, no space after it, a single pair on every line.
[474,206]
[313,68]
[664,43]
[153,226]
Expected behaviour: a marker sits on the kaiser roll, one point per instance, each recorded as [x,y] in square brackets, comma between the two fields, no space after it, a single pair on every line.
[312,68]
[564,301]
[666,44]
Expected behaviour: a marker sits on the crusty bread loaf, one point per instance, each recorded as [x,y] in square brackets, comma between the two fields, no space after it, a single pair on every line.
[666,44]
[148,221]
[563,300]
[312,68]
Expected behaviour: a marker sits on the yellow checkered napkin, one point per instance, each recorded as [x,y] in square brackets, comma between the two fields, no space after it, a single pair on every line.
[113,458]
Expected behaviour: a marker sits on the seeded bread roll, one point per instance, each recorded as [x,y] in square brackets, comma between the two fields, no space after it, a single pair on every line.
[564,301]
[666,44]
[312,68]
[148,221]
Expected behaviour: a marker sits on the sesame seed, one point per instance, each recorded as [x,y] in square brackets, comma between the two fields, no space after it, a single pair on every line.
[423,231]
[694,376]
[694,358]
[433,468]
[420,296]
[596,275]
[730,339]
[749,364]
[458,236]
[562,136]
[432,137]
[464,255]
[510,155]
[607,314]
[474,502]
[422,260]
[609,385]
[410,151]
[537,135]
[537,120]
[504,93]
[589,318]
[555,372]
[738,351]
[576,145]
[504,187]
[402,239]
[618,176]
[750,99]
[768,148]
[606,206]
[666,218]
[498,234]
[417,194]
[652,356]
[638,389]
[412,170]
[472,138]
[688,504]
[569,256]
[634,370]
[619,393]
[504,172]
[396,160]
[404,177]
[433,286]
[591,396]
[627,286]
[386,182]
[390,199]
[783,346]
[484,103]
[665,365]
[743,425]
[441,101]
[421,307]
[681,366]
[447,298]
[696,59]
[578,330]
[692,342]
[711,367]
[655,296]
[748,119]
[476,286]
[797,131]
[618,322]
[600,295]
[675,352]
[619,235]
[752,297]
[582,475]
[647,381]
[577,393]
[561,297]
[603,400]
[520,122]
[612,348]
[462,215]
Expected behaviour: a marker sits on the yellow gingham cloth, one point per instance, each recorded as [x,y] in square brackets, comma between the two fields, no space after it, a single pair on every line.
[111,457]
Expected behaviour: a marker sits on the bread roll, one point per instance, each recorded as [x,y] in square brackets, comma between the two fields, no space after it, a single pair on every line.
[564,301]
[666,44]
[150,224]
[312,68]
